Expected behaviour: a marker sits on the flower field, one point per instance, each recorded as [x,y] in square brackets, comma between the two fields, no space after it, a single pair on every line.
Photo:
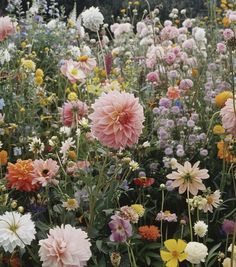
[118,142]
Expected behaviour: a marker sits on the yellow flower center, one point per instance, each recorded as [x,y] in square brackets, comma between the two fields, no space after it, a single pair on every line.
[13,228]
[74,71]
[83,58]
[175,254]
[167,212]
[71,201]
[209,200]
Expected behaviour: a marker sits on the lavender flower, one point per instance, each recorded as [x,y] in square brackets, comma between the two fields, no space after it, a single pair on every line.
[228,226]
[121,229]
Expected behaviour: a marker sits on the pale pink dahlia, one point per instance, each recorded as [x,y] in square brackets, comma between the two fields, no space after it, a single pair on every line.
[229,117]
[72,112]
[45,171]
[7,27]
[188,177]
[117,120]
[65,246]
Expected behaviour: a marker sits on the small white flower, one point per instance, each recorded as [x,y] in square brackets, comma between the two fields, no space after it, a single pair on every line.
[36,145]
[196,251]
[84,123]
[146,144]
[200,228]
[92,18]
[4,56]
[1,144]
[70,204]
[65,130]
[183,11]
[17,151]
[173,163]
[133,165]
[66,145]
[175,11]
[16,230]
[78,133]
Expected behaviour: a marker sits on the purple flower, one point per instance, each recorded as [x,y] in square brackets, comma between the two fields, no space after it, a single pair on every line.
[228,226]
[121,229]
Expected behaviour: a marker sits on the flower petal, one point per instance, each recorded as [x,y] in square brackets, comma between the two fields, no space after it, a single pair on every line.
[171,244]
[165,255]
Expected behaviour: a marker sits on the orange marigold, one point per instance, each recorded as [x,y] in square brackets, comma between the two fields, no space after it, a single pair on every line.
[151,233]
[224,153]
[3,157]
[20,176]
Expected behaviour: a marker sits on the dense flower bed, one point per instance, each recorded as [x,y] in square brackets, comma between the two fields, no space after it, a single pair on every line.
[117,142]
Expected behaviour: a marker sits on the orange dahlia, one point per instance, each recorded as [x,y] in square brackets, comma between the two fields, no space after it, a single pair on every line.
[151,233]
[20,176]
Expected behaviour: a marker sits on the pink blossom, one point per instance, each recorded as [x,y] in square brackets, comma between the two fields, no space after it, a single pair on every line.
[169,33]
[170,58]
[186,84]
[153,77]
[72,112]
[65,246]
[228,34]
[221,48]
[173,92]
[86,64]
[189,44]
[119,29]
[228,116]
[45,171]
[117,120]
[187,23]
[72,70]
[7,27]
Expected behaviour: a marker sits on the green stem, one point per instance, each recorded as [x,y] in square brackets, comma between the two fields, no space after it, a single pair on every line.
[162,207]
[189,216]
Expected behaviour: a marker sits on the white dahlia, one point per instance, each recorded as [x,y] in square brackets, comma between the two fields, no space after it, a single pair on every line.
[200,228]
[196,251]
[92,18]
[16,230]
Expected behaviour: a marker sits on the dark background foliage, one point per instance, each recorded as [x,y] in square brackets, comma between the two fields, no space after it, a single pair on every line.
[109,7]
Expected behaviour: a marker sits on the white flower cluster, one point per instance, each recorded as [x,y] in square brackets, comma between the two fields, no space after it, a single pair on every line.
[92,18]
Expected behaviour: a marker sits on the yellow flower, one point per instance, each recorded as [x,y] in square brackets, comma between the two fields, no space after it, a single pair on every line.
[221,98]
[175,252]
[70,23]
[139,209]
[28,64]
[194,72]
[23,44]
[39,72]
[72,155]
[38,80]
[136,3]
[123,11]
[226,22]
[218,129]
[72,96]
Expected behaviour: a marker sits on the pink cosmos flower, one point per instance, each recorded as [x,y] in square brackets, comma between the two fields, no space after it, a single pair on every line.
[45,171]
[7,27]
[117,120]
[72,70]
[188,177]
[72,112]
[65,246]
[86,64]
[228,116]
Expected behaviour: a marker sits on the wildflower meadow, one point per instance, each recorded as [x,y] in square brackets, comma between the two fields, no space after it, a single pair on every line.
[117,142]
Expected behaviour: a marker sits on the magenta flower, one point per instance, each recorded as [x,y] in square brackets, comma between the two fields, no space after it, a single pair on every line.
[228,226]
[121,229]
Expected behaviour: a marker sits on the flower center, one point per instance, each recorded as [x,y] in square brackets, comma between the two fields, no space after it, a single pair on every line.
[14,228]
[45,172]
[187,177]
[123,118]
[74,71]
[175,254]
[209,200]
[83,58]
[167,213]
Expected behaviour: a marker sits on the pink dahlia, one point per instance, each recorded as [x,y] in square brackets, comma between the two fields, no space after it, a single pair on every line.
[45,171]
[72,112]
[188,177]
[117,120]
[72,70]
[7,27]
[229,116]
[65,246]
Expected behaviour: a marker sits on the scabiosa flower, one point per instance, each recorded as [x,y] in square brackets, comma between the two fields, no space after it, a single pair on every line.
[121,229]
[212,201]
[196,252]
[16,230]
[150,233]
[20,176]
[228,117]
[72,112]
[228,226]
[117,120]
[72,70]
[65,246]
[7,27]
[44,172]
[200,228]
[92,18]
[128,213]
[166,216]
[189,177]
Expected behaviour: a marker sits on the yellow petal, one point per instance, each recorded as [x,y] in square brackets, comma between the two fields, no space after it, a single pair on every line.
[183,256]
[172,263]
[181,245]
[171,244]
[165,255]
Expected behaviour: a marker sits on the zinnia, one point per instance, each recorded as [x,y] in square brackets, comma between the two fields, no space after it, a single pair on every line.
[117,120]
[65,246]
[7,27]
[150,233]
[20,176]
[188,177]
[228,116]
[16,230]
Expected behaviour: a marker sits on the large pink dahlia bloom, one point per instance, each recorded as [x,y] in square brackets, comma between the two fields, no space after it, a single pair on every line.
[7,27]
[228,116]
[65,246]
[117,120]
